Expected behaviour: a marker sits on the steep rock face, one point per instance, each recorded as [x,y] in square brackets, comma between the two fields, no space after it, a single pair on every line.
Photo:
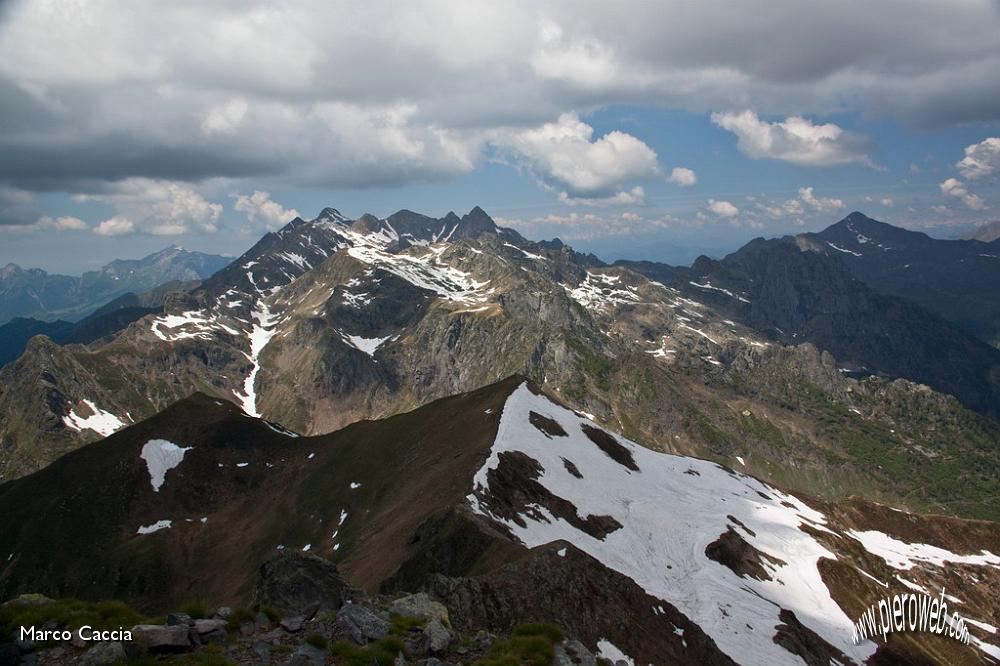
[959,280]
[795,296]
[197,498]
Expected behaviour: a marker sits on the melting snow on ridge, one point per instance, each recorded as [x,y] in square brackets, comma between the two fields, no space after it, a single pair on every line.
[901,555]
[669,516]
[609,650]
[161,456]
[102,422]
[191,324]
[155,527]
[264,329]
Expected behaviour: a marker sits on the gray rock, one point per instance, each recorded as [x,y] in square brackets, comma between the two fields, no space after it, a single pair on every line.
[208,626]
[162,638]
[420,605]
[292,624]
[263,651]
[400,660]
[224,612]
[299,584]
[438,635]
[362,624]
[179,619]
[106,652]
[573,653]
[307,655]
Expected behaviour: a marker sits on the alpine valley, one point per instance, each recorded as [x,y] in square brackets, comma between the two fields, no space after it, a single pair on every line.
[438,440]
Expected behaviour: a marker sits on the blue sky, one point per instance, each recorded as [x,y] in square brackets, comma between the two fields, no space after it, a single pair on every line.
[656,132]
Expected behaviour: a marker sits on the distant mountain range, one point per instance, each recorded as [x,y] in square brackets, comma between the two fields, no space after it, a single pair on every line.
[34,293]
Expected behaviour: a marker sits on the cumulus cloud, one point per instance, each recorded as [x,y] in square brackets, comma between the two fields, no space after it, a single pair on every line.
[260,208]
[887,202]
[953,187]
[682,176]
[723,208]
[63,223]
[981,159]
[115,226]
[160,208]
[819,204]
[805,204]
[565,157]
[796,140]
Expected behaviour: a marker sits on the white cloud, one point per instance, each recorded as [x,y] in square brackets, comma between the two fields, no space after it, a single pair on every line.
[821,204]
[115,226]
[887,202]
[259,207]
[723,208]
[161,208]
[682,176]
[63,223]
[796,140]
[634,197]
[953,187]
[981,159]
[565,157]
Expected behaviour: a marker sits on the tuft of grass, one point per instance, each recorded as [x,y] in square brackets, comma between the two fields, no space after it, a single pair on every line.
[379,653]
[402,624]
[529,645]
[68,614]
[239,616]
[211,655]
[318,641]
[272,615]
[196,609]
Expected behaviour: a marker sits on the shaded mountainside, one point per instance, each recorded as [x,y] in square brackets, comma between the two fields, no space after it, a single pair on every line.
[36,294]
[791,294]
[508,507]
[958,280]
[333,321]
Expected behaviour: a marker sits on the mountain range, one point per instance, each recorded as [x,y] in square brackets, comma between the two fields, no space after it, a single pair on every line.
[34,293]
[529,434]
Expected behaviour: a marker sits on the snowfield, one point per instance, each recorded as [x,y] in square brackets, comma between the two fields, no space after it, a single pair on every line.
[161,456]
[102,422]
[670,510]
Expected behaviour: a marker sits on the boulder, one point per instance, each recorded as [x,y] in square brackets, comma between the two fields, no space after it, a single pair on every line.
[573,653]
[300,584]
[420,605]
[307,655]
[162,638]
[362,624]
[179,619]
[292,624]
[210,631]
[106,652]
[438,636]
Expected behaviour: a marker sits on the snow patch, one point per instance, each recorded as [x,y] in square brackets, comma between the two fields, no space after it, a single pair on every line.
[161,456]
[155,527]
[102,422]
